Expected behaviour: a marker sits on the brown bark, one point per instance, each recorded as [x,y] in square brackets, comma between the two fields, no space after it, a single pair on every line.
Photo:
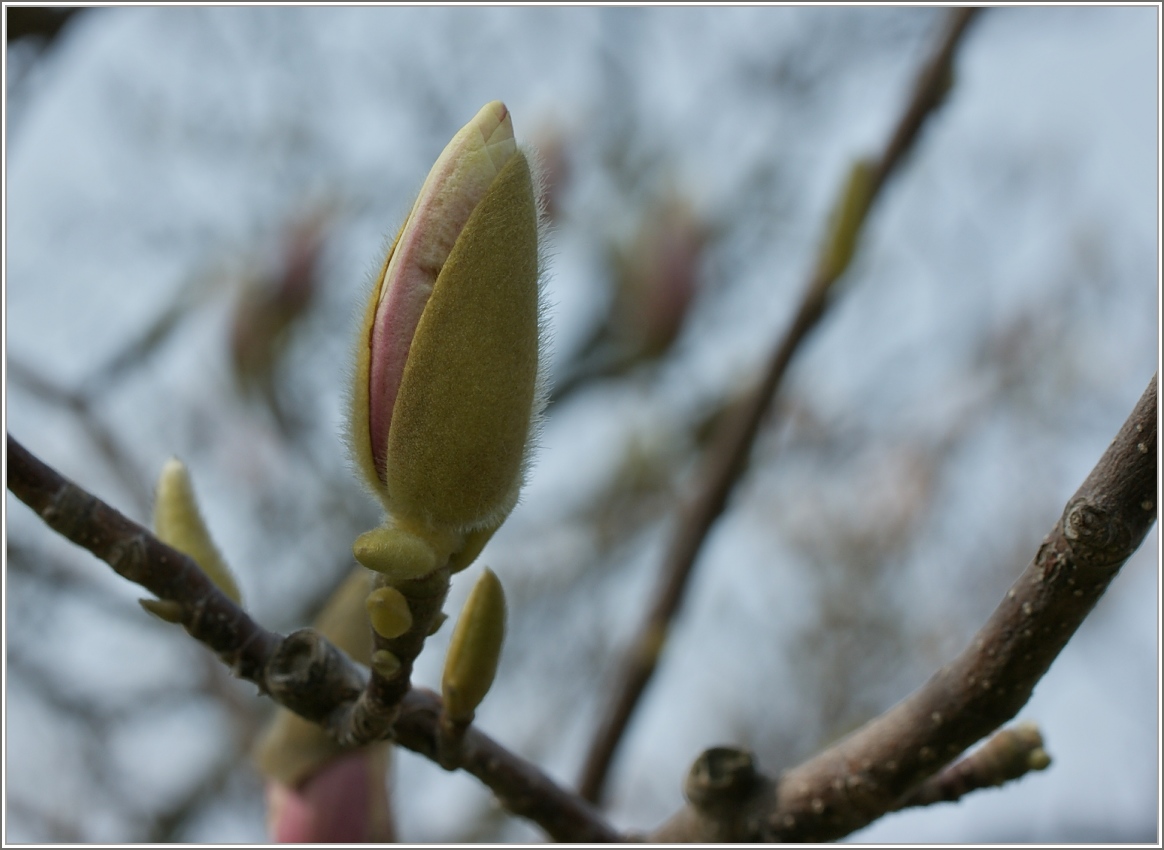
[856,781]
[303,671]
[1008,755]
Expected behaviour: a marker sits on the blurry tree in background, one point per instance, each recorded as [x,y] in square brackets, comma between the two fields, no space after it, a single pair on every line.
[197,197]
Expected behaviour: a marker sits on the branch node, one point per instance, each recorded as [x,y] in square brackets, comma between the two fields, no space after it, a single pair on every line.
[306,674]
[69,510]
[1097,534]
[720,776]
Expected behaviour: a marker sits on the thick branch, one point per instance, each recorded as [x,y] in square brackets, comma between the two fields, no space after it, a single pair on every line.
[303,671]
[727,456]
[859,779]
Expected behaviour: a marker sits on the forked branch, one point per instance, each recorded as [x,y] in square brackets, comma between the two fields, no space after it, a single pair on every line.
[856,781]
[303,671]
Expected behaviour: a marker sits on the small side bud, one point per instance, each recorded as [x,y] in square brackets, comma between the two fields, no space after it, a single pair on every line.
[474,649]
[847,219]
[163,609]
[396,553]
[474,542]
[179,523]
[1038,759]
[385,663]
[389,613]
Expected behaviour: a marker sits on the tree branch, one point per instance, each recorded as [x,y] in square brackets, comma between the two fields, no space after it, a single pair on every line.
[133,553]
[303,671]
[80,404]
[857,780]
[727,455]
[1007,756]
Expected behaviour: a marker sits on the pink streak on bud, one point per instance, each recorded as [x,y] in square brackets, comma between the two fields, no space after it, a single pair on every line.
[333,806]
[458,181]
[662,278]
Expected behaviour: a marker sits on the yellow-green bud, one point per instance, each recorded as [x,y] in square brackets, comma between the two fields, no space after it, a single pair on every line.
[163,609]
[385,663]
[388,610]
[447,358]
[178,523]
[399,554]
[848,216]
[1038,759]
[474,649]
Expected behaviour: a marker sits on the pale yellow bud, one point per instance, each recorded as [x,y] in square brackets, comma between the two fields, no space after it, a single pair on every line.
[389,613]
[848,216]
[474,649]
[178,523]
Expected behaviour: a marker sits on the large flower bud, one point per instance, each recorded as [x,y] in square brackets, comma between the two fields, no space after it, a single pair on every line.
[447,361]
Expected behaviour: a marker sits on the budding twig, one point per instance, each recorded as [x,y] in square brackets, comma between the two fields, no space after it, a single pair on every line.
[727,455]
[1007,756]
[373,714]
[303,671]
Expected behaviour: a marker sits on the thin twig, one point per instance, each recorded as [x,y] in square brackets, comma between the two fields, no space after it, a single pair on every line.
[80,404]
[1007,756]
[133,553]
[727,455]
[376,709]
[139,350]
[857,780]
[302,672]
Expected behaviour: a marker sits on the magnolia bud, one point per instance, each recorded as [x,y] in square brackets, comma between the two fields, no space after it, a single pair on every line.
[344,802]
[658,277]
[447,358]
[474,649]
[178,523]
[385,663]
[848,216]
[273,302]
[388,611]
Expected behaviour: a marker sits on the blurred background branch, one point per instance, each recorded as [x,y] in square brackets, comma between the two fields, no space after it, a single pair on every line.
[726,456]
[857,780]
